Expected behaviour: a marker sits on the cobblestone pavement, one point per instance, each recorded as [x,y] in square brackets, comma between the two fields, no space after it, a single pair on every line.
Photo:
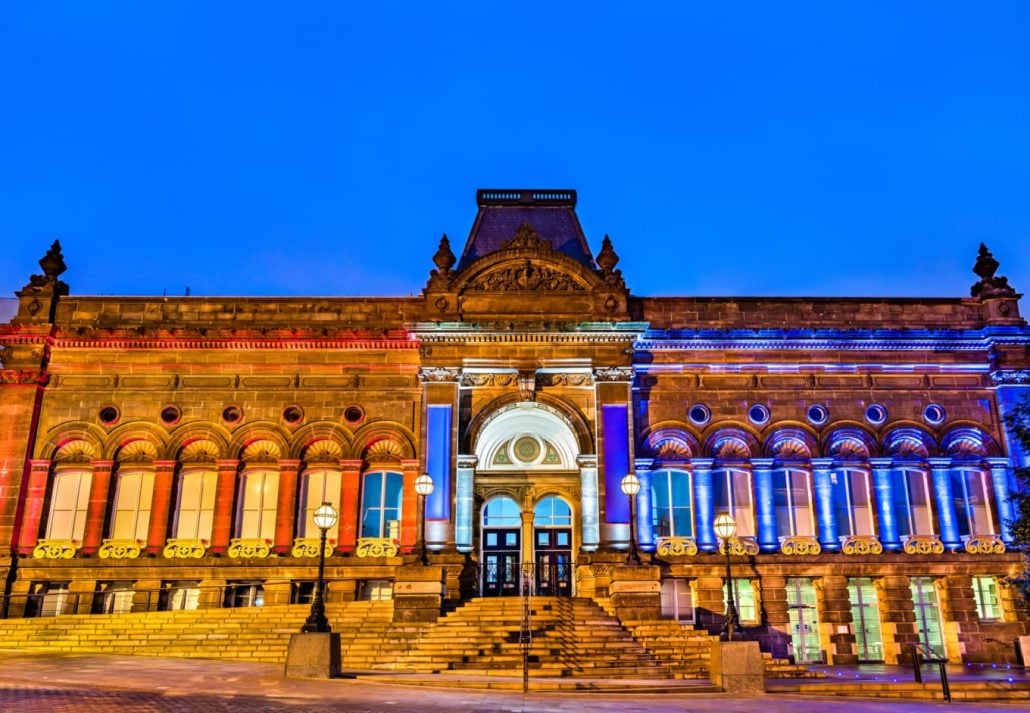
[45,683]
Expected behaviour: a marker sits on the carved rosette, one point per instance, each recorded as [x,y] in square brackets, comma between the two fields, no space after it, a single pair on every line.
[740,546]
[924,545]
[308,547]
[676,547]
[800,545]
[439,374]
[56,549]
[985,545]
[240,547]
[185,548]
[376,547]
[861,545]
[121,549]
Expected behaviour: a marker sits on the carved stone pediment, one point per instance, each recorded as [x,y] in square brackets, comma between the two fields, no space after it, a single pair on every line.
[524,276]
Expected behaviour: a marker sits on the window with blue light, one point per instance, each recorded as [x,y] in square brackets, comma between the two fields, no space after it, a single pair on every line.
[552,512]
[912,497]
[672,510]
[969,488]
[792,499]
[731,492]
[381,505]
[852,503]
[502,512]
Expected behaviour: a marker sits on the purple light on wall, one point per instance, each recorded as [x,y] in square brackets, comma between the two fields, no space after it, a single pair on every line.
[615,421]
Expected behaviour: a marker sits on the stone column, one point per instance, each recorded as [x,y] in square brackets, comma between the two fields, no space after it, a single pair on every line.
[773,599]
[897,618]
[1001,476]
[286,506]
[96,512]
[710,608]
[960,619]
[644,504]
[888,527]
[160,506]
[836,633]
[32,514]
[704,510]
[825,517]
[350,507]
[765,510]
[464,502]
[944,501]
[409,506]
[590,522]
[222,520]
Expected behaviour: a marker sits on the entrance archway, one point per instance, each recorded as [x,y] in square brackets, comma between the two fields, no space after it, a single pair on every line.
[552,547]
[502,547]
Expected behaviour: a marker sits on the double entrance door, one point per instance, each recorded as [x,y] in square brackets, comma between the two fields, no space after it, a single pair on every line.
[548,574]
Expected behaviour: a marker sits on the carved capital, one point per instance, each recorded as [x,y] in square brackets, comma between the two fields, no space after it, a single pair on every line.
[376,547]
[924,545]
[985,545]
[185,548]
[800,545]
[121,549]
[56,549]
[241,547]
[308,547]
[614,373]
[861,545]
[676,547]
[439,375]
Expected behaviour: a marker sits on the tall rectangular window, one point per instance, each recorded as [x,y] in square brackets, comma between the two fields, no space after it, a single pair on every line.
[677,600]
[731,492]
[132,495]
[195,513]
[672,511]
[928,614]
[865,619]
[792,498]
[69,499]
[804,620]
[258,505]
[969,489]
[912,497]
[985,591]
[316,487]
[852,503]
[381,505]
[745,599]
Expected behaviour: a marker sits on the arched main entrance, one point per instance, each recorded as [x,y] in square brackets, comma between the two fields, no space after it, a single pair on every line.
[552,547]
[501,535]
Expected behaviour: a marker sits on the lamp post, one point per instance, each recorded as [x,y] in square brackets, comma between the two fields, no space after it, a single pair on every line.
[630,488]
[424,487]
[725,528]
[325,517]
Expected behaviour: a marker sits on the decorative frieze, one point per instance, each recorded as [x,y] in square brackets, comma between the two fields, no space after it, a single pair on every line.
[924,545]
[800,545]
[676,547]
[121,549]
[376,547]
[439,374]
[478,378]
[241,547]
[56,549]
[861,545]
[185,548]
[985,545]
[308,547]
[614,373]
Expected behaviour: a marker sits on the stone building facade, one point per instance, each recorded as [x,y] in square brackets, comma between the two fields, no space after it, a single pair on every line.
[160,452]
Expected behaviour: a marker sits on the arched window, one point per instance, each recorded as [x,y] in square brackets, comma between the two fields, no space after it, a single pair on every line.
[552,512]
[133,492]
[317,486]
[381,505]
[69,497]
[731,491]
[195,510]
[672,509]
[911,493]
[256,514]
[852,502]
[502,512]
[792,498]
[970,488]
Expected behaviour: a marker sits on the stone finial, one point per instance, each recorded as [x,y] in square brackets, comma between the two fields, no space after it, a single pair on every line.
[989,285]
[607,259]
[444,258]
[53,265]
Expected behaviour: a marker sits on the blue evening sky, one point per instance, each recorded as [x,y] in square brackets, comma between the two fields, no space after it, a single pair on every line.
[830,148]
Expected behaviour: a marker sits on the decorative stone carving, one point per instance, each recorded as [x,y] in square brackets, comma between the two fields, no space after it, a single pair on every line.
[185,548]
[121,549]
[800,545]
[56,549]
[308,547]
[53,266]
[1018,377]
[676,547]
[565,379]
[241,547]
[985,545]
[526,238]
[375,547]
[613,373]
[524,276]
[600,570]
[24,377]
[924,545]
[439,374]
[740,546]
[989,285]
[527,385]
[861,545]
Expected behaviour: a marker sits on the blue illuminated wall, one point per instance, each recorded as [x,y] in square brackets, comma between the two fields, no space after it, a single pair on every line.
[438,461]
[615,422]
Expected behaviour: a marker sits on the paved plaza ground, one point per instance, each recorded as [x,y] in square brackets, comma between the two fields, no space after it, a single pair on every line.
[42,683]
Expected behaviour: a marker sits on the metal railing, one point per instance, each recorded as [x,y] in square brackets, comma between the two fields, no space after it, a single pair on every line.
[923,653]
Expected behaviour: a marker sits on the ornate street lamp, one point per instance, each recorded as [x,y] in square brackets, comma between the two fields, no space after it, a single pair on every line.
[725,528]
[325,517]
[424,487]
[630,488]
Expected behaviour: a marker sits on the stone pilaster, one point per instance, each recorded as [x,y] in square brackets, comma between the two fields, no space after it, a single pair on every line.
[286,506]
[897,618]
[32,512]
[160,506]
[225,488]
[774,634]
[96,511]
[636,592]
[836,634]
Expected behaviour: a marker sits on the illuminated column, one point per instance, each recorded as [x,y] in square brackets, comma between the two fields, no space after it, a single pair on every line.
[885,503]
[645,505]
[409,506]
[160,505]
[225,488]
[286,506]
[822,475]
[350,489]
[464,503]
[441,386]
[32,515]
[703,504]
[591,531]
[96,511]
[765,510]
[614,400]
[945,502]
[1001,475]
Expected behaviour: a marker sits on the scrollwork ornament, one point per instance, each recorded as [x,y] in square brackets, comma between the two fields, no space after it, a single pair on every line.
[676,547]
[117,549]
[244,547]
[800,545]
[376,547]
[307,547]
[740,546]
[861,545]
[183,548]
[985,545]
[55,549]
[924,545]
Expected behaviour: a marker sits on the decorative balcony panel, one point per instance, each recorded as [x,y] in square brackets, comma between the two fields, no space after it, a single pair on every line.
[121,549]
[376,547]
[241,547]
[740,546]
[676,547]
[184,548]
[800,545]
[56,549]
[985,545]
[924,545]
[308,547]
[861,545]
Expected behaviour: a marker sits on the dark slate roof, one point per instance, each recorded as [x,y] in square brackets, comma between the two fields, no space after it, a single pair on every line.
[551,213]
